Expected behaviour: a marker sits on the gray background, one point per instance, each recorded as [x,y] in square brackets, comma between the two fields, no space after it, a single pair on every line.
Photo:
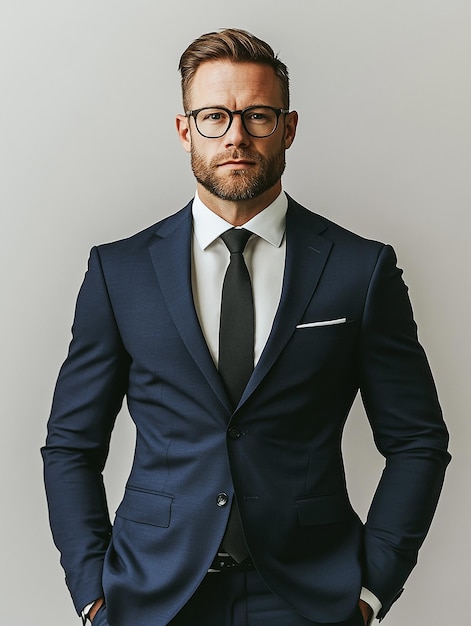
[89,153]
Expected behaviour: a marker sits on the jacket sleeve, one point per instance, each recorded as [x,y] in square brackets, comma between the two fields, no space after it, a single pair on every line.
[87,398]
[401,402]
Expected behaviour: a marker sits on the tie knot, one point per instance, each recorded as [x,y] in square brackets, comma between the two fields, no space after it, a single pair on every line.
[236,239]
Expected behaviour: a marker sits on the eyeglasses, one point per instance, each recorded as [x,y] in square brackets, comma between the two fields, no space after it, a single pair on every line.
[258,121]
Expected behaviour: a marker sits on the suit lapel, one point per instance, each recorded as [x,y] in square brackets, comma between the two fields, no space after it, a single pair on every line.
[171,258]
[306,255]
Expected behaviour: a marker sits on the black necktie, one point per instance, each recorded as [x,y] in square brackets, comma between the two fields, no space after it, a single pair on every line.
[236,346]
[236,329]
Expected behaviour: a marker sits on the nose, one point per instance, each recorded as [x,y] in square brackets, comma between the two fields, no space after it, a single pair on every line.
[236,135]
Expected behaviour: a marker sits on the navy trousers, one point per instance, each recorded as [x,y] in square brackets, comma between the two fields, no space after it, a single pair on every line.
[237,599]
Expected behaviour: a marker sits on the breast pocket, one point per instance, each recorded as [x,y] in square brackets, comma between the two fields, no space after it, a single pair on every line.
[330,341]
[323,323]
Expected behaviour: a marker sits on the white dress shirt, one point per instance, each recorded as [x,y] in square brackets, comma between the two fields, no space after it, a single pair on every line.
[264,256]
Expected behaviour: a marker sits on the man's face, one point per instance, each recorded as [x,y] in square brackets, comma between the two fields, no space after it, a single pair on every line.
[236,166]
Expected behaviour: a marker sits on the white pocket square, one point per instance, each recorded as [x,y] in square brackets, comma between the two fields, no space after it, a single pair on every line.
[340,320]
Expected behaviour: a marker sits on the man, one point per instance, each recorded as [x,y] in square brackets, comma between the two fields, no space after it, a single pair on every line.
[240,352]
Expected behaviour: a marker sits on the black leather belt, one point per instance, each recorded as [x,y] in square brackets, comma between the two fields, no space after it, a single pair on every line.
[224,563]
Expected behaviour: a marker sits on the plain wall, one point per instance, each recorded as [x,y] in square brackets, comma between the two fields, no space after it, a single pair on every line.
[89,153]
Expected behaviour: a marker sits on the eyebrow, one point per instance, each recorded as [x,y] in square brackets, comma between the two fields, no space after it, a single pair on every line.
[223,106]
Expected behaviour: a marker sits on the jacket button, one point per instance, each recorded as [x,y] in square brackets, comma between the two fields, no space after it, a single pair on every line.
[234,433]
[222,499]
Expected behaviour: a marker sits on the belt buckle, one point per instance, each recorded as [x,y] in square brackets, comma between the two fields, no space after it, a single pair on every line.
[223,562]
[220,563]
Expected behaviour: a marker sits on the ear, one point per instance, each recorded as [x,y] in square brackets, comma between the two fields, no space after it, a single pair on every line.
[291,122]
[183,130]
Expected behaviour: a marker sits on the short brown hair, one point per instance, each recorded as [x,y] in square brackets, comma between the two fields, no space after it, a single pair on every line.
[234,45]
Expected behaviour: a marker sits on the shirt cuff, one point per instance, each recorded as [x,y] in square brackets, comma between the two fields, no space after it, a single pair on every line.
[372,600]
[86,611]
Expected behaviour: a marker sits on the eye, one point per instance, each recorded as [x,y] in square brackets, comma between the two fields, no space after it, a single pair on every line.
[212,116]
[257,116]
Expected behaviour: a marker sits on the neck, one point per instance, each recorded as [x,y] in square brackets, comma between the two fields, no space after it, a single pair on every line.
[240,212]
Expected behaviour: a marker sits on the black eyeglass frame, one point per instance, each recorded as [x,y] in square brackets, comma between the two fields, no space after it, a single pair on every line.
[279,111]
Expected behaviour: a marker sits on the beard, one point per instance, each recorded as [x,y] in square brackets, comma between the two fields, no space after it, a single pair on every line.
[241,184]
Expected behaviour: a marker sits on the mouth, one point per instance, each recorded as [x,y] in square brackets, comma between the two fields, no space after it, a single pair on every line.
[236,164]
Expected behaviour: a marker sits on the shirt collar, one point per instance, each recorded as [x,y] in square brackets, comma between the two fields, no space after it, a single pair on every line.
[269,224]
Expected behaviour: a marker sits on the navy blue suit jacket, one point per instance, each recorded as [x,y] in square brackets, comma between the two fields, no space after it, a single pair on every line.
[136,335]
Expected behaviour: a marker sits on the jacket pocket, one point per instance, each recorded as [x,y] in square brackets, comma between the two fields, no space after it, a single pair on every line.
[323,323]
[146,507]
[100,617]
[319,510]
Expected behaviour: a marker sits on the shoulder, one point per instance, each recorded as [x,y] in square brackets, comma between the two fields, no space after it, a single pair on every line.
[299,217]
[141,240]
